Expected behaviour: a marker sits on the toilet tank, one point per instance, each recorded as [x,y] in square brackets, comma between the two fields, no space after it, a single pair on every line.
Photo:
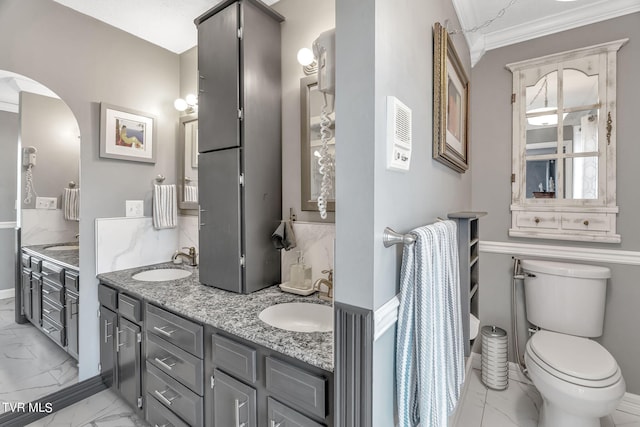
[565,298]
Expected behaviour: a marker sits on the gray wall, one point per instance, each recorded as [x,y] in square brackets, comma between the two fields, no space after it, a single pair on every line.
[87,62]
[49,125]
[384,48]
[304,21]
[491,170]
[9,126]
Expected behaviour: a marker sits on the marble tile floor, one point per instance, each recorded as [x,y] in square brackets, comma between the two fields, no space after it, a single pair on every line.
[31,365]
[517,406]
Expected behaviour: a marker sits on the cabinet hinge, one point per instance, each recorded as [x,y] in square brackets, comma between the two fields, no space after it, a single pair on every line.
[242,261]
[100,367]
[513,98]
[240,33]
[139,337]
[140,402]
[213,382]
[513,177]
[242,179]
[240,114]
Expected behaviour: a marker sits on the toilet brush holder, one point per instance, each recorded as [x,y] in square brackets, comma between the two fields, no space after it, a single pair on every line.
[495,367]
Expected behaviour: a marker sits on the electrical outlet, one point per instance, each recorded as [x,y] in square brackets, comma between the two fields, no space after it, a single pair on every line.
[46,203]
[134,208]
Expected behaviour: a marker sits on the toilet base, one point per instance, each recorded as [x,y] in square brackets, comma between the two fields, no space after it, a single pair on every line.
[553,416]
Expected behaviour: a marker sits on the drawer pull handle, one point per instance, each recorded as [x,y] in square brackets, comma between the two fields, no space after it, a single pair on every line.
[48,331]
[165,365]
[46,311]
[239,405]
[274,424]
[106,331]
[162,331]
[537,220]
[163,425]
[46,292]
[586,222]
[161,396]
[118,343]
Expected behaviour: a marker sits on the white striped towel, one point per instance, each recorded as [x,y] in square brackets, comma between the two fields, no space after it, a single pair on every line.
[71,204]
[165,207]
[191,193]
[429,343]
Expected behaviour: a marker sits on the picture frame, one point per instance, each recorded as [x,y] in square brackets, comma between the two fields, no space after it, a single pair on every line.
[127,134]
[450,104]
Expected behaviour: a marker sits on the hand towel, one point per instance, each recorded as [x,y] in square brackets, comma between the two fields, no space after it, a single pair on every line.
[191,193]
[71,204]
[165,207]
[284,237]
[429,342]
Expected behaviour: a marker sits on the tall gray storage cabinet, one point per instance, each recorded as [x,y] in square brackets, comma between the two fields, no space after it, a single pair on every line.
[239,140]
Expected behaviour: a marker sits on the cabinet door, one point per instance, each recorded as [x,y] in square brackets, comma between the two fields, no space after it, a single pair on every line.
[36,300]
[234,403]
[26,293]
[282,416]
[71,317]
[219,84]
[129,349]
[220,228]
[108,323]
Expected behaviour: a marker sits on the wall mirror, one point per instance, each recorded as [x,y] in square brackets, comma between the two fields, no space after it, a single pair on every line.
[188,165]
[311,101]
[564,145]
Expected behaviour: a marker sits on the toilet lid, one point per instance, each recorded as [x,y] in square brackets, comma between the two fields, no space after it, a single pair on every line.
[577,357]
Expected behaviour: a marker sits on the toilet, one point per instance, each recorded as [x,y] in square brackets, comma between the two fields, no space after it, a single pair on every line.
[578,379]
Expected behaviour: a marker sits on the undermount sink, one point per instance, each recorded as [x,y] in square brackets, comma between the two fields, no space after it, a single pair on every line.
[63,248]
[299,317]
[161,275]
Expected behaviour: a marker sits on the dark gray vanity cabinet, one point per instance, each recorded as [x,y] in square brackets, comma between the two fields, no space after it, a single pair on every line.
[72,305]
[25,287]
[234,403]
[239,141]
[121,344]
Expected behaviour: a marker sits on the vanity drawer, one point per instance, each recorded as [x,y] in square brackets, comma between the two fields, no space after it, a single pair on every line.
[578,221]
[542,220]
[72,280]
[297,387]
[173,395]
[26,260]
[36,264]
[52,311]
[55,332]
[177,330]
[129,307]
[234,358]
[108,297]
[173,361]
[157,415]
[52,291]
[281,415]
[53,272]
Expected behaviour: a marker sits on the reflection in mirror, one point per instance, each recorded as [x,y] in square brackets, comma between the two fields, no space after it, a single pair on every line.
[189,163]
[39,322]
[311,101]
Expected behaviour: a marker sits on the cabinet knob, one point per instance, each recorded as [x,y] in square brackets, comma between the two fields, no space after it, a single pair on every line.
[586,222]
[537,220]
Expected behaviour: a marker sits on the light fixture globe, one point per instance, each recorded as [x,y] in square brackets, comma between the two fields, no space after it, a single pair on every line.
[305,56]
[180,104]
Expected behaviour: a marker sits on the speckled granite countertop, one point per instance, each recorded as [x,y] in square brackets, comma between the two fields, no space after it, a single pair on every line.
[231,312]
[67,258]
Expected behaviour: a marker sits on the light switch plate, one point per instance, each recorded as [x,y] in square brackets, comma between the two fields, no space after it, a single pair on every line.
[46,202]
[134,208]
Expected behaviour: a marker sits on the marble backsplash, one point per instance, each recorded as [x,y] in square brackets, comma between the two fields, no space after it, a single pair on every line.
[316,241]
[44,226]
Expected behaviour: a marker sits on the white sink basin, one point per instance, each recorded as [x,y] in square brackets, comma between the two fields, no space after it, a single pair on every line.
[161,275]
[299,317]
[63,248]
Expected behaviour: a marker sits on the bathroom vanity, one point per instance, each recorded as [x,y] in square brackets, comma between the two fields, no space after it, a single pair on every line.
[50,289]
[185,354]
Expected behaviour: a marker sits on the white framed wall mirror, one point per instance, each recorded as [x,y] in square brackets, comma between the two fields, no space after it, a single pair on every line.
[188,165]
[564,145]
[311,101]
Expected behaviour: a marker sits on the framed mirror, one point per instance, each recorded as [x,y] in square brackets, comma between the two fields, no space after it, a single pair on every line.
[311,101]
[188,165]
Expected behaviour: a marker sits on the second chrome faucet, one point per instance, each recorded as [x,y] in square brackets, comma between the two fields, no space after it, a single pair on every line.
[191,257]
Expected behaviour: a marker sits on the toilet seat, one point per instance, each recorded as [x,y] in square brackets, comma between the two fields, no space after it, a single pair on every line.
[576,360]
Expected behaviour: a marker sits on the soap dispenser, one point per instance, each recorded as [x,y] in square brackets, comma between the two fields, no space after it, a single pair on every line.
[300,274]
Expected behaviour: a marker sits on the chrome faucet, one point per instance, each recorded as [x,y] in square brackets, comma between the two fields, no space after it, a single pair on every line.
[328,282]
[191,256]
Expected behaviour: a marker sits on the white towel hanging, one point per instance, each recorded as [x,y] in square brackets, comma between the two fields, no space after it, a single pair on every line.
[71,204]
[165,207]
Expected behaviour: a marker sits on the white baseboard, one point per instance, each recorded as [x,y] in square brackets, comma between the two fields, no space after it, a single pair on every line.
[7,293]
[630,402]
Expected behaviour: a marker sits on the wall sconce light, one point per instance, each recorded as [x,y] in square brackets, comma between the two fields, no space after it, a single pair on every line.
[189,104]
[307,59]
